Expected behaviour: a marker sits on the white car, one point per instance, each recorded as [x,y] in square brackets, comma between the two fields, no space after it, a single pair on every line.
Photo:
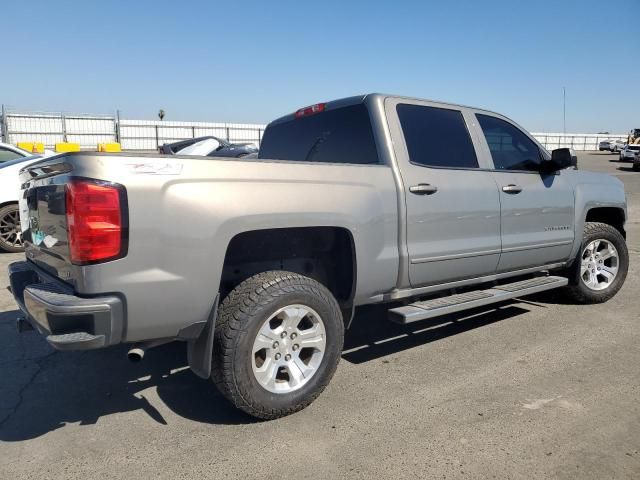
[611,145]
[629,152]
[10,230]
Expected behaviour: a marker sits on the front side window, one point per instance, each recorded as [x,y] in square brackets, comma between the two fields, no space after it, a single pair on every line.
[436,137]
[510,148]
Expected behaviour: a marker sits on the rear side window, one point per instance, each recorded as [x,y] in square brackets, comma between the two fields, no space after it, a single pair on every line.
[436,137]
[6,155]
[342,135]
[510,148]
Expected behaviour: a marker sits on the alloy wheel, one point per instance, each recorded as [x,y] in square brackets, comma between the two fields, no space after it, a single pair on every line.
[599,267]
[10,231]
[288,349]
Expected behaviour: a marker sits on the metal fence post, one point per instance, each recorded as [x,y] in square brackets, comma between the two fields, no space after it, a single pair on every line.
[157,138]
[64,127]
[117,126]
[3,125]
[227,130]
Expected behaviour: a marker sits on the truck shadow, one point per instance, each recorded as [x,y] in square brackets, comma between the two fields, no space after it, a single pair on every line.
[82,387]
[373,336]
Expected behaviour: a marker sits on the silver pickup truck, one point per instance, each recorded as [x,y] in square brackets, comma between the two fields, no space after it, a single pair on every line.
[258,264]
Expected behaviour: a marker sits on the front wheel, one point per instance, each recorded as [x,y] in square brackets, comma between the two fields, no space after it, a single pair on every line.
[277,343]
[601,267]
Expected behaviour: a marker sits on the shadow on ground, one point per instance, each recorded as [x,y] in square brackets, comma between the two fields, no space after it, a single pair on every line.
[81,387]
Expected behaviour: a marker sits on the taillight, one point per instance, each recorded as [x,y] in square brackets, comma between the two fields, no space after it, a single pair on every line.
[95,221]
[306,111]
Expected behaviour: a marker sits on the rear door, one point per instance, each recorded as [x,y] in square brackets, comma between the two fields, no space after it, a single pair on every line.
[452,202]
[537,209]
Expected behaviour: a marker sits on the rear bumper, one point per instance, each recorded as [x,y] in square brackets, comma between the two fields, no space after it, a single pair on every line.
[67,321]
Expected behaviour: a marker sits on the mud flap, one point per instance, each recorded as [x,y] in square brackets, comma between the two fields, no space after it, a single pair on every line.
[200,350]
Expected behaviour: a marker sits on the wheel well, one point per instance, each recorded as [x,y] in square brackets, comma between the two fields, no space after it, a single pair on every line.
[610,215]
[326,254]
[2,205]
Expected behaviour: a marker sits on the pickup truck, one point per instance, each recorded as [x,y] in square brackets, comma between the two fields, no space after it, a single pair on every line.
[258,264]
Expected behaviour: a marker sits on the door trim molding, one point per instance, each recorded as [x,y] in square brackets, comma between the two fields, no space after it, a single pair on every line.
[538,245]
[455,256]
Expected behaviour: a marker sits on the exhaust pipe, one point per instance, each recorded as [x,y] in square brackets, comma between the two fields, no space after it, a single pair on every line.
[136,353]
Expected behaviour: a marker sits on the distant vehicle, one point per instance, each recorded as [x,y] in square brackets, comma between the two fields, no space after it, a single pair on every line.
[629,152]
[611,145]
[209,147]
[10,231]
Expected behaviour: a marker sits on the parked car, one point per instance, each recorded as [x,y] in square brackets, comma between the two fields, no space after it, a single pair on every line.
[208,147]
[628,153]
[10,229]
[611,145]
[258,265]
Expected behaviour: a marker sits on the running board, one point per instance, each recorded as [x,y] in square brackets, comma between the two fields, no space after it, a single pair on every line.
[417,311]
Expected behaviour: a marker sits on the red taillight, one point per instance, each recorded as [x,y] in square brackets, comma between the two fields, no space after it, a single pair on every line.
[306,111]
[94,221]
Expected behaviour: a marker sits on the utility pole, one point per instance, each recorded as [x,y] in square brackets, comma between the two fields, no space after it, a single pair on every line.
[564,110]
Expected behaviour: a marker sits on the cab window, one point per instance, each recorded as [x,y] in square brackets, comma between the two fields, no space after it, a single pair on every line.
[510,148]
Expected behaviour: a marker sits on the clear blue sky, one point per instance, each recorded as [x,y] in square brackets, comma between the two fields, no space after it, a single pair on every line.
[238,60]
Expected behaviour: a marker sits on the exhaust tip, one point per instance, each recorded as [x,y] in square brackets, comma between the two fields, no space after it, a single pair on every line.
[135,355]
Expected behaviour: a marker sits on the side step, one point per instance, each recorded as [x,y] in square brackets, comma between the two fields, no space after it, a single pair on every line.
[417,311]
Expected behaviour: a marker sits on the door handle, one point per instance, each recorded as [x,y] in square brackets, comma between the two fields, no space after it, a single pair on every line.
[512,189]
[423,189]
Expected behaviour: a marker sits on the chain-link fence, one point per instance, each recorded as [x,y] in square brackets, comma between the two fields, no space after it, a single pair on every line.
[89,130]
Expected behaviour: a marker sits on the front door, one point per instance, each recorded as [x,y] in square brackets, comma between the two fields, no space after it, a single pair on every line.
[452,204]
[537,210]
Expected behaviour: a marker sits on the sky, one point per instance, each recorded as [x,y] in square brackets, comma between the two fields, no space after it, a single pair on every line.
[253,61]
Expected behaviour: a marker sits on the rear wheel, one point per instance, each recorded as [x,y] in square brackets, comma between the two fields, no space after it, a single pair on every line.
[278,340]
[601,267]
[10,231]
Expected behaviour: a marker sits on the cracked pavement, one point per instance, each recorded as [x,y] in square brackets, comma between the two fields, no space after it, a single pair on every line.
[533,389]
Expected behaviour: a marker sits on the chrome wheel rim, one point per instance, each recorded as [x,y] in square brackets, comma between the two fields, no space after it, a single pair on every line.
[288,349]
[600,263]
[10,232]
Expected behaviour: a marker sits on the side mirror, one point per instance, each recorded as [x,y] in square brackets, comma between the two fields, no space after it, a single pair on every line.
[561,158]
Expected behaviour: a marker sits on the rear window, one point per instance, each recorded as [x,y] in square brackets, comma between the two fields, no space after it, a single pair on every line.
[342,135]
[436,137]
[630,147]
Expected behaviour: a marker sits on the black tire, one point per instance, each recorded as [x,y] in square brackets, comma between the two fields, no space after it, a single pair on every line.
[7,239]
[240,316]
[576,289]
